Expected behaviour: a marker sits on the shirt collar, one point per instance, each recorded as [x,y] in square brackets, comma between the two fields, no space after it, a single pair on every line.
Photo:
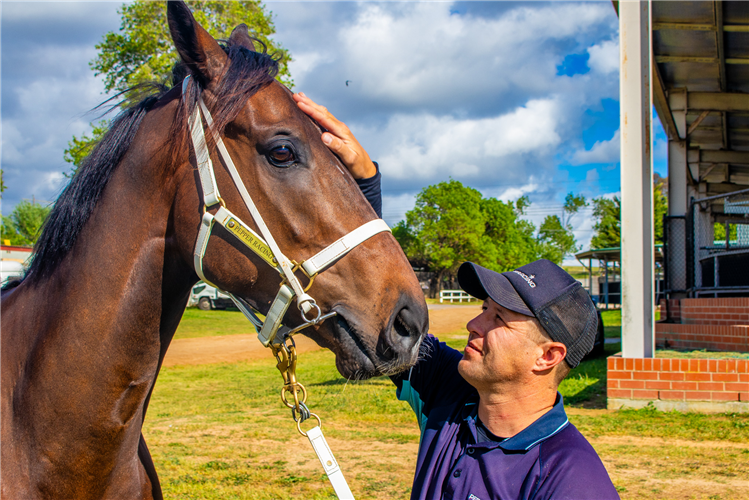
[546,426]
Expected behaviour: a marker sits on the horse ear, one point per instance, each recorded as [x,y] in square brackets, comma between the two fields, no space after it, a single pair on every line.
[197,48]
[241,36]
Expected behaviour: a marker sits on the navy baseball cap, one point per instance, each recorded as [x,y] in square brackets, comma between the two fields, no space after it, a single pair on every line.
[542,290]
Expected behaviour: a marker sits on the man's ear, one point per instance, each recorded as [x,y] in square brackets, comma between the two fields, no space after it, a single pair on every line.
[198,50]
[553,353]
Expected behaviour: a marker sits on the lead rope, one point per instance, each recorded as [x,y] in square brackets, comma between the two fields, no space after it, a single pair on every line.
[285,354]
[270,332]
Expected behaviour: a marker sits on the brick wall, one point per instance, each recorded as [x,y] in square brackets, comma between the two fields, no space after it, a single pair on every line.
[709,337]
[728,311]
[671,310]
[654,379]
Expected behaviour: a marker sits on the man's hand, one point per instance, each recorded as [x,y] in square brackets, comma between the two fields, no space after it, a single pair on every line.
[338,138]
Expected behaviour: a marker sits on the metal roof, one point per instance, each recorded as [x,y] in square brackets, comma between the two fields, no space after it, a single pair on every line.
[613,254]
[701,69]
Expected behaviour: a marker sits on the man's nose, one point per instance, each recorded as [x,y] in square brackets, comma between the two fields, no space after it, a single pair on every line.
[474,326]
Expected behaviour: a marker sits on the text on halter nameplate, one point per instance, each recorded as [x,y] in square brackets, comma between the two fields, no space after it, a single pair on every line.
[252,241]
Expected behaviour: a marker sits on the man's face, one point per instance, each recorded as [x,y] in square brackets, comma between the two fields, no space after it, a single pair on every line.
[502,347]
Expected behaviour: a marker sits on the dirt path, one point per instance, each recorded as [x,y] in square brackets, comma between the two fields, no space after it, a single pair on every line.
[245,347]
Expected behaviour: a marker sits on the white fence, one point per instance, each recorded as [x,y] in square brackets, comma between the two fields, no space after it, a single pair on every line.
[453,295]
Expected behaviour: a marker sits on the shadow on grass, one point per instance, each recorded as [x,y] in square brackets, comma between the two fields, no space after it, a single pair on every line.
[343,381]
[585,386]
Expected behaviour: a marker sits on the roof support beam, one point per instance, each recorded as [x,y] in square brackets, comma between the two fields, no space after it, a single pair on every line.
[738,28]
[686,59]
[660,101]
[711,156]
[697,122]
[715,101]
[701,60]
[718,6]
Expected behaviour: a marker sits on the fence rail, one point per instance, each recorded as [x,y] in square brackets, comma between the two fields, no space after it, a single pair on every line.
[453,295]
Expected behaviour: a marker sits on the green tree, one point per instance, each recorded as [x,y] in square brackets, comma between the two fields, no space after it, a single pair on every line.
[607,213]
[660,206]
[2,183]
[142,50]
[79,149]
[508,240]
[444,229]
[719,232]
[555,240]
[607,229]
[27,220]
[572,205]
[452,223]
[8,233]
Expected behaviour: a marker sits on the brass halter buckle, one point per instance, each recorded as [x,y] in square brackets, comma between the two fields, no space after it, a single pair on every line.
[285,354]
[297,266]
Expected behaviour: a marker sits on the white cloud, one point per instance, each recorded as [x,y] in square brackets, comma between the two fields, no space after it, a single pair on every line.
[510,194]
[604,57]
[431,148]
[304,63]
[601,152]
[416,53]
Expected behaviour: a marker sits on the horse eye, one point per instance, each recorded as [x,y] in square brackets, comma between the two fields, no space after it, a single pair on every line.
[281,156]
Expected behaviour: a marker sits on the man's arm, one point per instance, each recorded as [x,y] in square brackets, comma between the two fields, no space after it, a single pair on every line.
[342,142]
[433,381]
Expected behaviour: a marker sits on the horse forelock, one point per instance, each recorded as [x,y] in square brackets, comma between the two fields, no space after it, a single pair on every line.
[247,72]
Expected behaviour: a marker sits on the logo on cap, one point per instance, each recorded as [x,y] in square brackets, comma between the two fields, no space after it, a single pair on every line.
[528,279]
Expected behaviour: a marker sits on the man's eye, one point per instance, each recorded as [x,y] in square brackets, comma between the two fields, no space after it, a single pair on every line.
[281,156]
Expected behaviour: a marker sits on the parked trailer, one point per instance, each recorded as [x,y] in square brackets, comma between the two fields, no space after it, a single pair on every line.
[10,270]
[206,297]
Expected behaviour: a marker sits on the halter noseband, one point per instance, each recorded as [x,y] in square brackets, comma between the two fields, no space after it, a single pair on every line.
[270,330]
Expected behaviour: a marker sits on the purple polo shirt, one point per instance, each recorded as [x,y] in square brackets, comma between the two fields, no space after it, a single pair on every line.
[548,459]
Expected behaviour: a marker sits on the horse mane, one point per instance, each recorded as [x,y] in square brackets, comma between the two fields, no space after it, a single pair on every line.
[247,73]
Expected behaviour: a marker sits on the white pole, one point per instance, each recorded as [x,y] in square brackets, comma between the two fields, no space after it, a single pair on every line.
[638,339]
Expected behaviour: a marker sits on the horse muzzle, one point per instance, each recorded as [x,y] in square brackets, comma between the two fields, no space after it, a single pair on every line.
[363,354]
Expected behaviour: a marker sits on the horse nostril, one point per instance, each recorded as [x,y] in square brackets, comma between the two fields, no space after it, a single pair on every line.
[399,339]
[401,326]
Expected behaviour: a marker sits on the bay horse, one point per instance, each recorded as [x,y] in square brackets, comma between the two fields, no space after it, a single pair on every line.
[85,332]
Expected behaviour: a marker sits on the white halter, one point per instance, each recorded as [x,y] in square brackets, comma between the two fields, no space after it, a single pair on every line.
[265,247]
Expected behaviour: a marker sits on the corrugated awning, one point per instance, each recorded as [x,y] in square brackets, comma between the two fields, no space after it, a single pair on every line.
[613,254]
[701,70]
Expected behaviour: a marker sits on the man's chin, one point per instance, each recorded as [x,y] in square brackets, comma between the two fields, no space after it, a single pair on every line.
[464,368]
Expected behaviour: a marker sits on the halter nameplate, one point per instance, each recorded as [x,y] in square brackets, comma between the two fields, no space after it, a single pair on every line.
[252,240]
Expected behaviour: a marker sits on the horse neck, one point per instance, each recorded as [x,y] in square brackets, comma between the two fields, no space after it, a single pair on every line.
[102,322]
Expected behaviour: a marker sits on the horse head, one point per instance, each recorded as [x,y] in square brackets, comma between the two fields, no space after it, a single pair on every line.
[306,198]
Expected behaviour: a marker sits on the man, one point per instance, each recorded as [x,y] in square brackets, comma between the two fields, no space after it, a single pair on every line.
[492,421]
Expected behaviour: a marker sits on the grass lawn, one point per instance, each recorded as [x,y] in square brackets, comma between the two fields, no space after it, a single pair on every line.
[197,323]
[612,323]
[220,432]
[579,272]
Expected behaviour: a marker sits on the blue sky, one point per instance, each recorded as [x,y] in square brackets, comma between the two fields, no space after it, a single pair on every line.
[512,98]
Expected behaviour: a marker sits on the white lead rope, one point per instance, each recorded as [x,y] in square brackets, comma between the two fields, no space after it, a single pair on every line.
[270,331]
[329,464]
